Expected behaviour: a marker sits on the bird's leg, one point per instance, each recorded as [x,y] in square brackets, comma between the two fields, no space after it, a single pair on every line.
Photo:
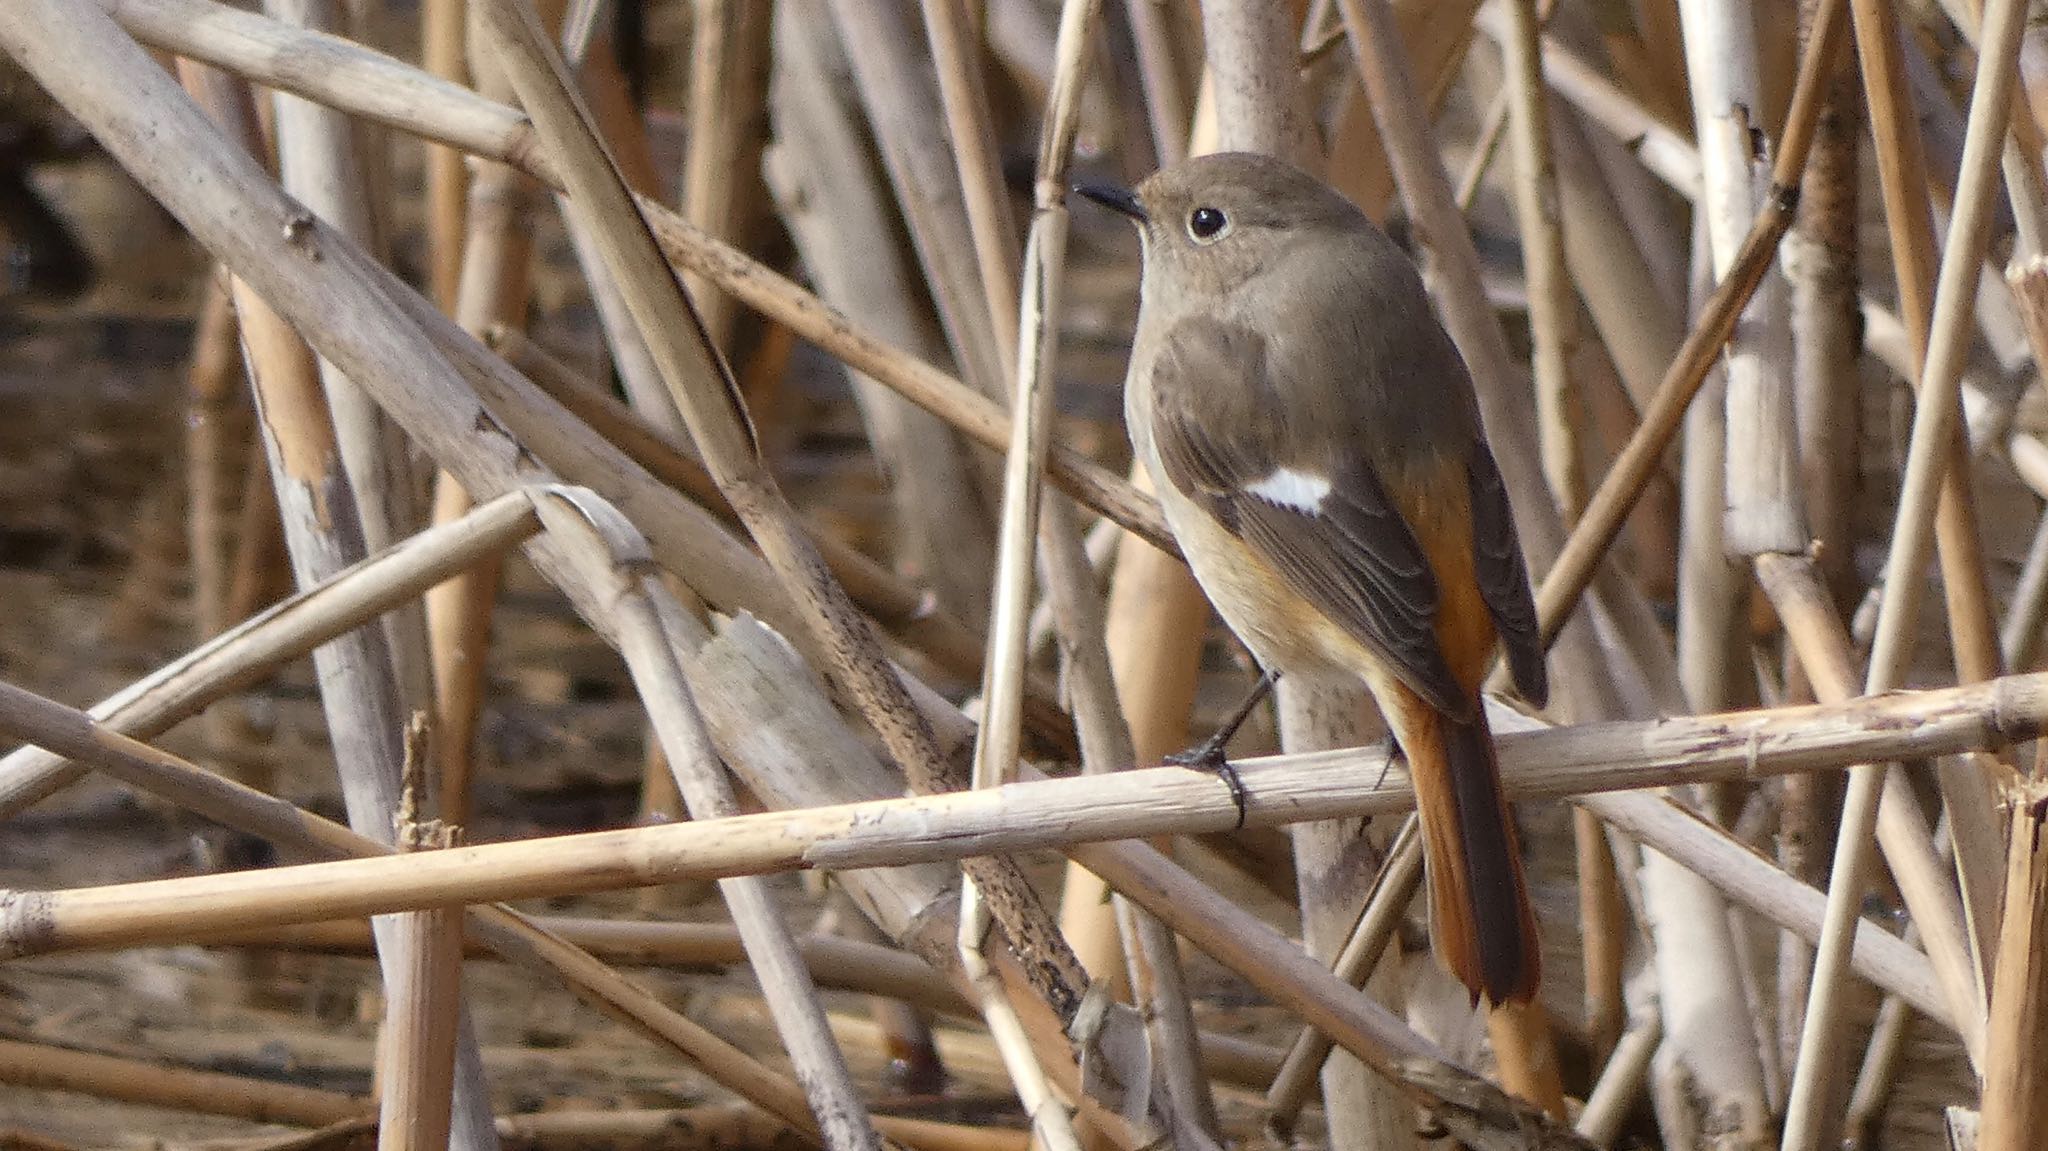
[1208,755]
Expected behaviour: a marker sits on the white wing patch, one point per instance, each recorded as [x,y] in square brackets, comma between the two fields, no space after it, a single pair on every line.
[1296,490]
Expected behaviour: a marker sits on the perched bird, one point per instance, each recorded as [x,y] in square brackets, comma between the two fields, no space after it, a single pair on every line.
[1316,444]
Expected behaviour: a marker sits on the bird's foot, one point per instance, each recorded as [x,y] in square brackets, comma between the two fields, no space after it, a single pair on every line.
[1208,756]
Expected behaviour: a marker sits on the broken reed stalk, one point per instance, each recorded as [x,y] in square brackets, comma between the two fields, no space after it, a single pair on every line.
[50,1068]
[416,1049]
[1935,443]
[359,689]
[2014,1103]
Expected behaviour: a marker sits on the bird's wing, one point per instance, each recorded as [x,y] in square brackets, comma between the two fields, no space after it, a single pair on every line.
[1288,484]
[1503,580]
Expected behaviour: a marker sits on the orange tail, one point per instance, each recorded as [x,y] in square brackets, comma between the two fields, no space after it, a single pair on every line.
[1480,921]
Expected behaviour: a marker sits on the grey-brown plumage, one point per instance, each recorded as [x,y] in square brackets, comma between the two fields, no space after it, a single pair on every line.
[1317,448]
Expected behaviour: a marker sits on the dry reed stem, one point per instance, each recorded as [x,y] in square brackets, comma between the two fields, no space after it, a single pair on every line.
[701,948]
[612,559]
[359,690]
[727,108]
[1386,905]
[244,654]
[717,1127]
[703,390]
[905,609]
[416,1049]
[1659,146]
[444,52]
[389,92]
[211,449]
[497,928]
[1025,323]
[903,107]
[1553,307]
[324,164]
[836,204]
[1933,445]
[40,1065]
[2014,1101]
[494,279]
[1904,182]
[1577,761]
[1553,315]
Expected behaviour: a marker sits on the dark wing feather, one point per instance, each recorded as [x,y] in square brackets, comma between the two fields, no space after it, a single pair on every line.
[1354,557]
[1503,580]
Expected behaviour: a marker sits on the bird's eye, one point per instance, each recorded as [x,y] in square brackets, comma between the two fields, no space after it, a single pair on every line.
[1206,223]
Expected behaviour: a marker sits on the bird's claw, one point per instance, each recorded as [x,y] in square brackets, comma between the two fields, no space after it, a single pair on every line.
[1208,756]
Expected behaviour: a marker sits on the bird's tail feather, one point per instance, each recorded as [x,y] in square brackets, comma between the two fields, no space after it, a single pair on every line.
[1481,924]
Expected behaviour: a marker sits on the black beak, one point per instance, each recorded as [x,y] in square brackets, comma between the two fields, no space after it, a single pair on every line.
[1115,199]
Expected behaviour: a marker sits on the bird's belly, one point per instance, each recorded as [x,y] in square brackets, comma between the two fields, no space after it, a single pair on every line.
[1283,630]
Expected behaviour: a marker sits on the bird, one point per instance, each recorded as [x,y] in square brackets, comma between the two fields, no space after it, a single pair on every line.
[1317,448]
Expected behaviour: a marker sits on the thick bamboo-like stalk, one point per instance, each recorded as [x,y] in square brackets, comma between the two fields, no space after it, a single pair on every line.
[380,88]
[2015,1098]
[40,1065]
